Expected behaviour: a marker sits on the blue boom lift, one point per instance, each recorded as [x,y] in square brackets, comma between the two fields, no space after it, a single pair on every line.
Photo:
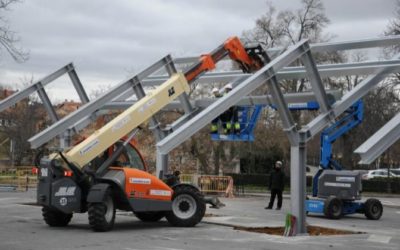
[335,191]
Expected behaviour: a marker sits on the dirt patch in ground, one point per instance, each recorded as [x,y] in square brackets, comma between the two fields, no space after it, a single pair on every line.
[312,230]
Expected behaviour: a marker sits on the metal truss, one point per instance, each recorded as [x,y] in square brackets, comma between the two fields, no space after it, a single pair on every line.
[199,113]
[89,108]
[298,138]
[38,87]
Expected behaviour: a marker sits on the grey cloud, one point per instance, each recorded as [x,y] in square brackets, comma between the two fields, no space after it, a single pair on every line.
[106,38]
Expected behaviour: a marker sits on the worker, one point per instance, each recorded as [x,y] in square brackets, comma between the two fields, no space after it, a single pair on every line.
[214,123]
[231,116]
[276,185]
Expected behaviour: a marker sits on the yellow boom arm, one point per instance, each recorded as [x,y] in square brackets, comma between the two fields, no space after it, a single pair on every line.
[128,120]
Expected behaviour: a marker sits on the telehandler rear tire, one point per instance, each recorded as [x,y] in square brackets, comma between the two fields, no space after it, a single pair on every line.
[188,207]
[55,218]
[102,214]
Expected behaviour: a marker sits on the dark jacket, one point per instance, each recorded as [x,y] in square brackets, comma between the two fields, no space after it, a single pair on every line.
[277,179]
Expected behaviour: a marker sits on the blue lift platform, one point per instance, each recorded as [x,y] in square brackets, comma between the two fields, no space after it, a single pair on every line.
[248,117]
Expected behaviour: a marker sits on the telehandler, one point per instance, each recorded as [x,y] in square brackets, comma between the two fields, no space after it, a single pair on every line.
[106,172]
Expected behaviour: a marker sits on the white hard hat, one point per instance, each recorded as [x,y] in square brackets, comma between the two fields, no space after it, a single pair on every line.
[214,90]
[278,164]
[228,86]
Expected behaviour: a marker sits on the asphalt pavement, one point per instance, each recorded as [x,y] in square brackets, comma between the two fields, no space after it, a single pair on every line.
[22,227]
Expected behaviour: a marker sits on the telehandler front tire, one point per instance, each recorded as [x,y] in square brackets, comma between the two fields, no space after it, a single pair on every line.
[188,207]
[102,214]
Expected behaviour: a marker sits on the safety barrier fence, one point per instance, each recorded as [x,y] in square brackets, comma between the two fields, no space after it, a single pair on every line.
[210,183]
[20,179]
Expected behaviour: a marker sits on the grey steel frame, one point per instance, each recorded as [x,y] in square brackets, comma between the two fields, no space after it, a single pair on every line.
[133,83]
[297,138]
[271,74]
[39,88]
[326,70]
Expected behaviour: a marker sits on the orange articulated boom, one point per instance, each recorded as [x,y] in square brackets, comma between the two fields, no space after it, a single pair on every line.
[236,51]
[206,64]
[248,60]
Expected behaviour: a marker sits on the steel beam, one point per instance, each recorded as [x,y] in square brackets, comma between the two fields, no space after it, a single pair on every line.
[289,126]
[321,121]
[324,47]
[46,102]
[316,82]
[291,98]
[380,141]
[87,109]
[203,118]
[355,44]
[13,99]
[326,70]
[78,86]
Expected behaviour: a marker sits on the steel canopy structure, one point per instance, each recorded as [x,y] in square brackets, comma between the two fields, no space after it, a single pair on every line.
[297,138]
[199,113]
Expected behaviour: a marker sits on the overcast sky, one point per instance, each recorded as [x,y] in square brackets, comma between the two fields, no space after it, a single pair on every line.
[107,39]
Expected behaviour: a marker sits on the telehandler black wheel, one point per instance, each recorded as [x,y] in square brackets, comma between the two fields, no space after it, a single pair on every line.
[102,214]
[55,218]
[333,208]
[188,207]
[149,216]
[373,209]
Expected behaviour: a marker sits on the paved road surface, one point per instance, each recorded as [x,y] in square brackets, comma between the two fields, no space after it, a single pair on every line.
[22,228]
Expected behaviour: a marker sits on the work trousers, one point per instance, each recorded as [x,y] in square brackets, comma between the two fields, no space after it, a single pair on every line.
[275,192]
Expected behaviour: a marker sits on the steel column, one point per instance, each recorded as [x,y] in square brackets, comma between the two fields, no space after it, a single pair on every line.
[298,157]
[161,164]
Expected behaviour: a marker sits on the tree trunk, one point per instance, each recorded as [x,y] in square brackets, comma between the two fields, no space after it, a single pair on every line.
[217,148]
[200,156]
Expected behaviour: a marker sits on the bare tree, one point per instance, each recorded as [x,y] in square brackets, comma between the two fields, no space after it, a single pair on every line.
[20,122]
[283,29]
[8,38]
[288,27]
